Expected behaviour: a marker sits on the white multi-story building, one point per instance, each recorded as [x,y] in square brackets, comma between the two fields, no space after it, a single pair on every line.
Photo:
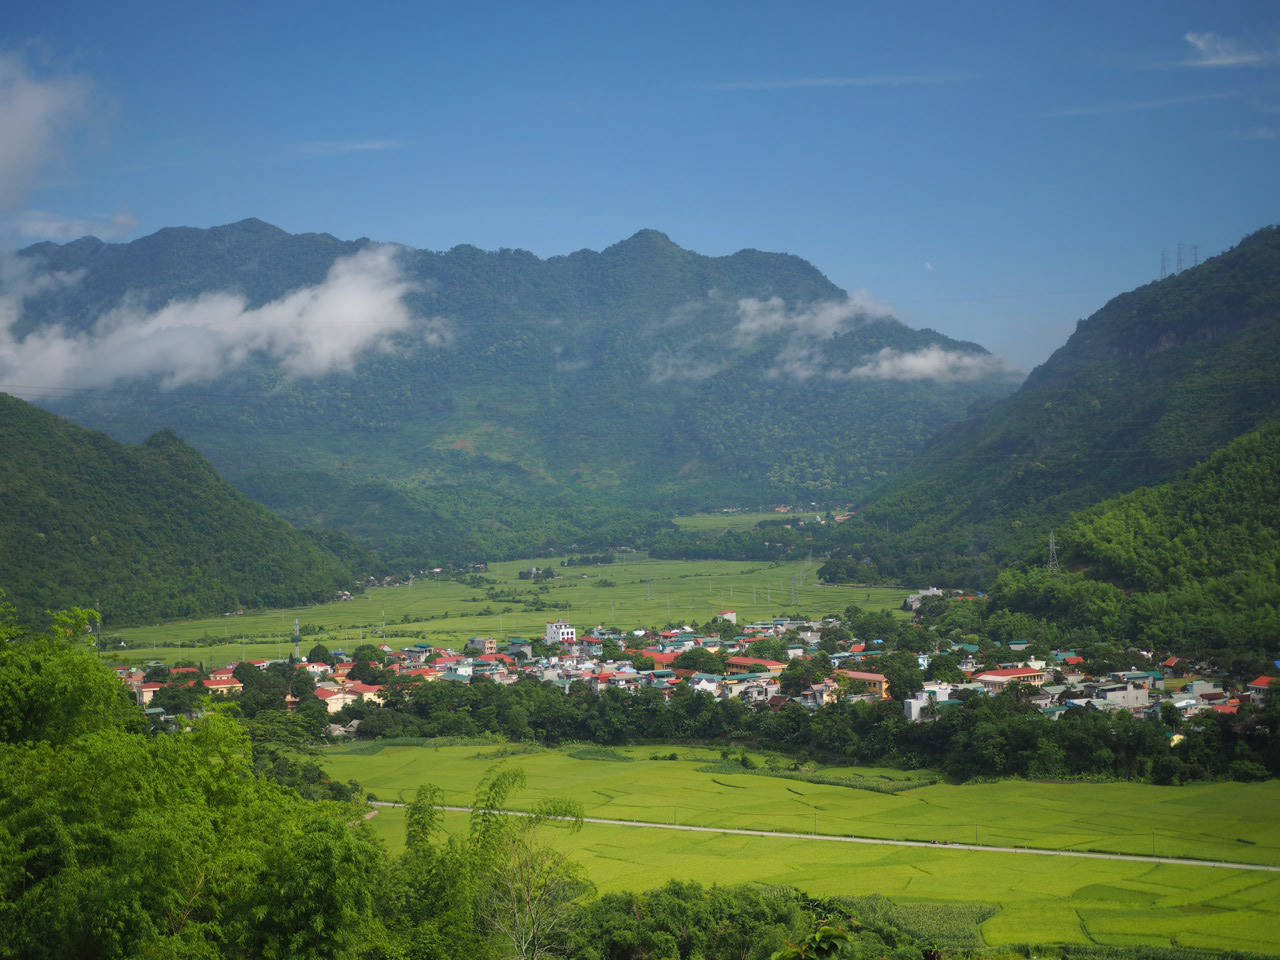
[561,632]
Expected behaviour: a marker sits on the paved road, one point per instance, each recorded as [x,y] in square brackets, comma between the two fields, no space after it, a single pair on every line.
[982,848]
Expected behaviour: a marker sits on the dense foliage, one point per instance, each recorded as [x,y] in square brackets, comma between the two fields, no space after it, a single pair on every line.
[142,532]
[1150,384]
[567,403]
[120,842]
[1191,567]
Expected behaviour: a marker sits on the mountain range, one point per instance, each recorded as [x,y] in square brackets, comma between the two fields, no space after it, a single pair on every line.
[467,404]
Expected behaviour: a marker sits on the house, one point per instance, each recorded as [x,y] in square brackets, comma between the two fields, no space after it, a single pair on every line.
[224,685]
[482,645]
[877,683]
[1131,696]
[820,694]
[1261,688]
[993,681]
[755,665]
[335,700]
[561,632]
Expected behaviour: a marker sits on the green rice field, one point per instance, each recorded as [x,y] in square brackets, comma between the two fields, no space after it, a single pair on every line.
[635,593]
[1039,899]
[720,522]
[1227,821]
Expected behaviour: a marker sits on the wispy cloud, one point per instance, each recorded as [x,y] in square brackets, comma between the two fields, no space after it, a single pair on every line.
[1134,106]
[1212,50]
[822,320]
[41,225]
[333,148]
[308,332]
[875,80]
[34,115]
[931,363]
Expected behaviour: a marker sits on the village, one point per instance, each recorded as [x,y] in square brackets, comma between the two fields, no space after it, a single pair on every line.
[605,659]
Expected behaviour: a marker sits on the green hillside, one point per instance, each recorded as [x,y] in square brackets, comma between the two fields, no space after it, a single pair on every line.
[536,403]
[1191,566]
[1149,385]
[144,531]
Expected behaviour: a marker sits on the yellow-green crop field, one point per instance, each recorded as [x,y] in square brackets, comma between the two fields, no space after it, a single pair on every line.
[635,593]
[720,522]
[1043,899]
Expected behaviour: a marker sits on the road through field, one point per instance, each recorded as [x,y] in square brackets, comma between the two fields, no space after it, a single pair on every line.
[877,841]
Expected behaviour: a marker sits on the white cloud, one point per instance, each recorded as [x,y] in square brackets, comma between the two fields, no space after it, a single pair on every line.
[823,320]
[33,115]
[665,366]
[1212,50]
[931,363]
[308,332]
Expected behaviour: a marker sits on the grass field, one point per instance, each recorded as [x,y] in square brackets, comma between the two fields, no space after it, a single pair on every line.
[644,593]
[1227,821]
[720,522]
[1040,899]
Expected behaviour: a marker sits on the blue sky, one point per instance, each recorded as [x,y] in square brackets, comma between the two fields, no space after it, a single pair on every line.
[992,173]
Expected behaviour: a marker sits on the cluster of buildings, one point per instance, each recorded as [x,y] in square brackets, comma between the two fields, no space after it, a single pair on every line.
[563,658]
[1060,683]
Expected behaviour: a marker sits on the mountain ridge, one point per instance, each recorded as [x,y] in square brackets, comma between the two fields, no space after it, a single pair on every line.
[645,377]
[146,531]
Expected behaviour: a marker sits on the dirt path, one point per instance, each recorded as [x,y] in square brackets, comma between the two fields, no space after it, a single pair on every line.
[981,848]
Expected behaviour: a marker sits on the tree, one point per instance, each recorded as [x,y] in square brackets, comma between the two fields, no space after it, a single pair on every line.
[368,653]
[823,942]
[700,659]
[903,672]
[320,654]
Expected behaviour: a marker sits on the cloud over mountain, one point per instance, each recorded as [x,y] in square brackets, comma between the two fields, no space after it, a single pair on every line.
[309,332]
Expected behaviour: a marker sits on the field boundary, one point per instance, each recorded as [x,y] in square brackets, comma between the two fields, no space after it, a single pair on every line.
[878,841]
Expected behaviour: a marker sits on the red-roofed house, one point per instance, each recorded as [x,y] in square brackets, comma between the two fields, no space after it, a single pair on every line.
[996,680]
[1262,687]
[365,691]
[223,685]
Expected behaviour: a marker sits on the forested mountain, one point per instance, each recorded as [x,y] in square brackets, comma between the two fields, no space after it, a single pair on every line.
[1149,385]
[144,531]
[520,405]
[1191,566]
